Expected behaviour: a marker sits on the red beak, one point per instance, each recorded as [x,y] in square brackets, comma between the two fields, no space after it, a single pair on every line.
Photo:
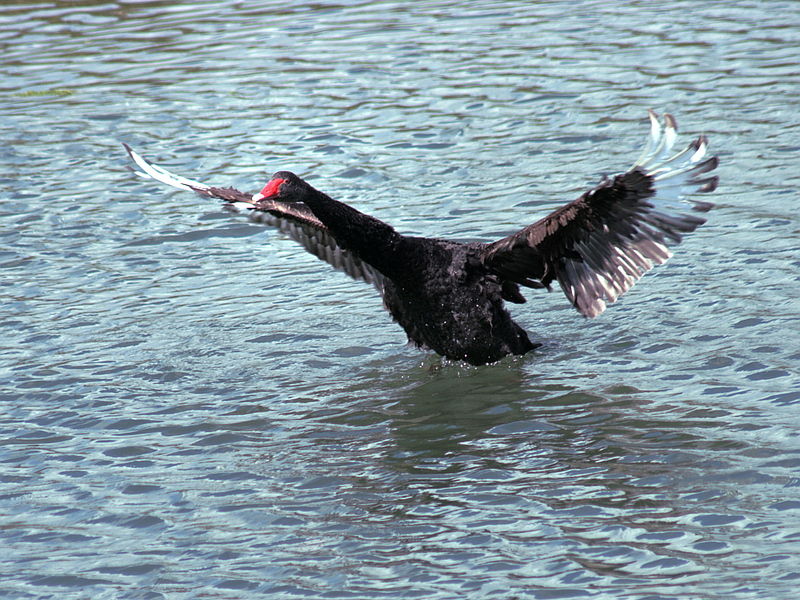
[270,190]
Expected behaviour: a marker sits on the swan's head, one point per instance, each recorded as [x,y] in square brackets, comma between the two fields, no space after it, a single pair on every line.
[282,186]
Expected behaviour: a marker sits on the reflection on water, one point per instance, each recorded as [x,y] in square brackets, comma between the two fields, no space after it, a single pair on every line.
[192,406]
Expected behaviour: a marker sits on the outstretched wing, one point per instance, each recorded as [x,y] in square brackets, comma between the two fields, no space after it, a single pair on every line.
[598,246]
[292,218]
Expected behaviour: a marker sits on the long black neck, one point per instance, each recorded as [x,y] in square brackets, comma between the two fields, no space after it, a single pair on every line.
[372,240]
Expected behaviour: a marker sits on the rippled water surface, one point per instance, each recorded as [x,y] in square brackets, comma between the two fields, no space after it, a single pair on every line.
[194,407]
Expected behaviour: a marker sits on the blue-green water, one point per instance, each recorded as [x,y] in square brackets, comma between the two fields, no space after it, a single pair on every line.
[192,406]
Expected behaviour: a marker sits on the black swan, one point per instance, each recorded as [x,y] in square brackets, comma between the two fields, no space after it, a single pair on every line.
[449,296]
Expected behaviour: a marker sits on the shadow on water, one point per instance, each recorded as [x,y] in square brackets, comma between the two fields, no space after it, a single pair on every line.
[457,405]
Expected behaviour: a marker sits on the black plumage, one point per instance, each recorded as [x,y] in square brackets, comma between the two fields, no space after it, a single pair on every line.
[449,296]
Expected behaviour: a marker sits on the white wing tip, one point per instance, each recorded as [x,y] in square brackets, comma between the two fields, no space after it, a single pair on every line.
[152,171]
